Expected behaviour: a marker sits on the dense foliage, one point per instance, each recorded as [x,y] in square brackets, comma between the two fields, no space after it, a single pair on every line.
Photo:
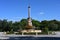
[52,25]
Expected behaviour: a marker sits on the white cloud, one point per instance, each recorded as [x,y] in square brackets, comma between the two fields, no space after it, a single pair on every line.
[41,13]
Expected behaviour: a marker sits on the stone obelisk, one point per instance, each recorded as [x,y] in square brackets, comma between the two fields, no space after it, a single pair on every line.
[29,21]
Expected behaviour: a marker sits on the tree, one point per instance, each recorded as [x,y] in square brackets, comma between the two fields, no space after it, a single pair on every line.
[1,25]
[10,25]
[44,24]
[53,26]
[4,25]
[23,23]
[16,26]
[36,24]
[45,30]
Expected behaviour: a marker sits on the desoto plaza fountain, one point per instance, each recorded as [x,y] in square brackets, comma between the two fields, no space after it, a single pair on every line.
[29,27]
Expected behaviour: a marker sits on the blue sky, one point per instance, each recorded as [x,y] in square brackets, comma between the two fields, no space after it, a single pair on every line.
[15,10]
